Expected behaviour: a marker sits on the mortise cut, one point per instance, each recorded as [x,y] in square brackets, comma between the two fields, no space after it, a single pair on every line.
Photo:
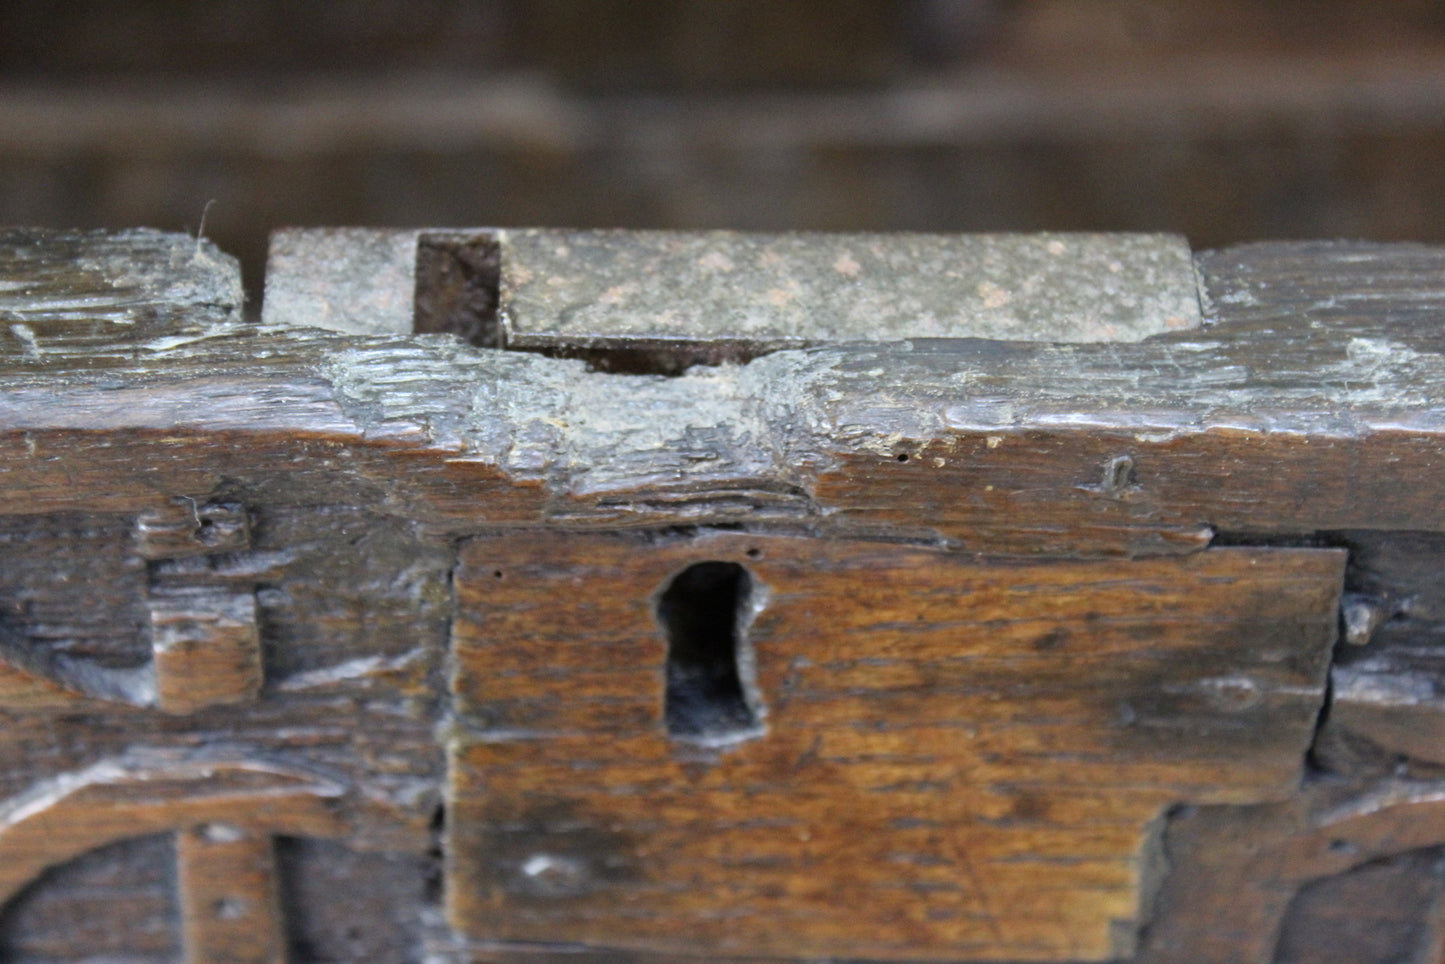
[458,292]
[711,696]
[457,282]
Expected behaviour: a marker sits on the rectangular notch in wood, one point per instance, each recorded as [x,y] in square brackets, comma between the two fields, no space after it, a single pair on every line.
[457,278]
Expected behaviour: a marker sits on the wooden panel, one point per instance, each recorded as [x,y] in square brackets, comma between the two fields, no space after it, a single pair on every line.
[1246,879]
[1381,912]
[346,612]
[207,649]
[115,903]
[1309,402]
[957,760]
[229,908]
[988,781]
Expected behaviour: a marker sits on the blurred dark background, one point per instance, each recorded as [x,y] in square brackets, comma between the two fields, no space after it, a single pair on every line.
[1227,120]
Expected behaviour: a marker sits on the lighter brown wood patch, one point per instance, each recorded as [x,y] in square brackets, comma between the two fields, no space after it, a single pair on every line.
[961,760]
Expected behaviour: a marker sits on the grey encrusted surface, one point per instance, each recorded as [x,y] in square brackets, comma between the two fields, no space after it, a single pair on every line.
[998,443]
[111,275]
[64,292]
[593,288]
[358,281]
[590,287]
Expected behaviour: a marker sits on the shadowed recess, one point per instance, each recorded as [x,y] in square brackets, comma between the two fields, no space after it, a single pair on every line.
[705,611]
[456,288]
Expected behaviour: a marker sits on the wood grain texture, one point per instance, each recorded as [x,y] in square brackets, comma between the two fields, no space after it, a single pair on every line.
[1385,910]
[149,792]
[340,617]
[962,761]
[207,650]
[1127,559]
[1388,708]
[1240,872]
[1249,425]
[230,911]
[117,901]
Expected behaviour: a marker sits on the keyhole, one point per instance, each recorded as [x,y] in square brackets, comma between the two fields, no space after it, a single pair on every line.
[711,694]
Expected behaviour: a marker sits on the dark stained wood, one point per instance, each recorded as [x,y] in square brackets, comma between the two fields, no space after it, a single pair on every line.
[1238,872]
[118,900]
[1387,705]
[200,666]
[1387,910]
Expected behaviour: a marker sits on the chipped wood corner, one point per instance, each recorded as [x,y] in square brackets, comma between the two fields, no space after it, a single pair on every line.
[518,595]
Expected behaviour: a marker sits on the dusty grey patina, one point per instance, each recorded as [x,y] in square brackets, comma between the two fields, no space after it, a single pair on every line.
[789,290]
[358,281]
[760,293]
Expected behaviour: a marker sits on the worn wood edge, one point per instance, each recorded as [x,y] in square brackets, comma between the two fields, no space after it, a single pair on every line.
[833,438]
[89,290]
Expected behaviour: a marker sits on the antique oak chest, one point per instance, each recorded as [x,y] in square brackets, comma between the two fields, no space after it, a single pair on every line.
[498,595]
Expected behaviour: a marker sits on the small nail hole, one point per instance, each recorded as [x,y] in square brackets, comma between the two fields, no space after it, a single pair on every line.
[903,457]
[230,908]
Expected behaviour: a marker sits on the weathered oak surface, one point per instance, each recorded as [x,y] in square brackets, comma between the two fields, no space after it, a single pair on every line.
[254,639]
